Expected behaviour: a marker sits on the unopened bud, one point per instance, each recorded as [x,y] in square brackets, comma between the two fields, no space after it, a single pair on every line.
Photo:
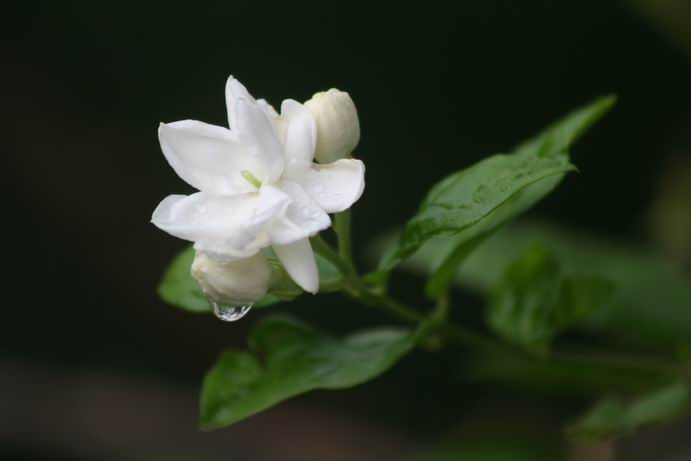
[338,128]
[233,283]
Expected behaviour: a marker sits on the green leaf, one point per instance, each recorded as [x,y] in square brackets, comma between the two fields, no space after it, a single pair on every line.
[560,136]
[179,288]
[519,305]
[614,417]
[465,198]
[651,306]
[289,358]
[579,296]
[553,142]
[533,301]
[476,201]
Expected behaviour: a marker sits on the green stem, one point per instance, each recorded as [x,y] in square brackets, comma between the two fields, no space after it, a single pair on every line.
[325,250]
[342,222]
[441,313]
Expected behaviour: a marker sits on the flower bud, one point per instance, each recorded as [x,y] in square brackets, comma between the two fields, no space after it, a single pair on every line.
[338,128]
[232,283]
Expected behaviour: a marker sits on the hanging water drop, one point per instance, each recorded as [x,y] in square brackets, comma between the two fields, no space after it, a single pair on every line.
[230,313]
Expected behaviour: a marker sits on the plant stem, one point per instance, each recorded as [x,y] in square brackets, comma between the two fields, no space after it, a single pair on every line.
[441,312]
[342,222]
[325,250]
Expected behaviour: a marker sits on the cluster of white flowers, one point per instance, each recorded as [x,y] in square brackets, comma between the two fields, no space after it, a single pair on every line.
[259,186]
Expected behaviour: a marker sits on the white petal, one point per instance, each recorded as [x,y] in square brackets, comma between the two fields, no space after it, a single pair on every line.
[223,250]
[280,123]
[234,91]
[272,203]
[301,135]
[203,216]
[298,260]
[302,218]
[250,233]
[334,186]
[268,108]
[213,222]
[255,130]
[206,156]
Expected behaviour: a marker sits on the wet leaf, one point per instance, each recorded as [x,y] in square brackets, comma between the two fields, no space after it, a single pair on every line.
[288,358]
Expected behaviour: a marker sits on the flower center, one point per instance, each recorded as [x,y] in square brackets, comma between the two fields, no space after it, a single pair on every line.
[252,179]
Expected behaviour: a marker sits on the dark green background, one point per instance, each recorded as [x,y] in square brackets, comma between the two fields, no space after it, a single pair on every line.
[437,87]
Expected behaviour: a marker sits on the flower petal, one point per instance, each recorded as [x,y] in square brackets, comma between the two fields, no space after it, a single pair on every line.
[301,135]
[302,217]
[256,132]
[203,216]
[334,186]
[280,123]
[214,222]
[206,156]
[272,203]
[234,91]
[268,108]
[223,250]
[298,260]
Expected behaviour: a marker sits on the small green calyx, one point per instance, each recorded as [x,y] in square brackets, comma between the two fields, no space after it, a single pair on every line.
[252,179]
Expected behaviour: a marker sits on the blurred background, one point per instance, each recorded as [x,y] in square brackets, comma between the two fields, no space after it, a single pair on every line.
[93,365]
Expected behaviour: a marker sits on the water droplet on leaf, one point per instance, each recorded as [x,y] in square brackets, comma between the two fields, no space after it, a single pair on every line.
[503,184]
[230,313]
[481,194]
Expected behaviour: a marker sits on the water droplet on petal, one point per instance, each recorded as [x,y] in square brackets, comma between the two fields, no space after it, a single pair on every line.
[293,161]
[338,196]
[201,208]
[318,189]
[305,211]
[230,313]
[315,214]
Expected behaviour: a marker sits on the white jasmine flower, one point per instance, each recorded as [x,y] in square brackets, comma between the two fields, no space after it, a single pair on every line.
[338,128]
[257,183]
